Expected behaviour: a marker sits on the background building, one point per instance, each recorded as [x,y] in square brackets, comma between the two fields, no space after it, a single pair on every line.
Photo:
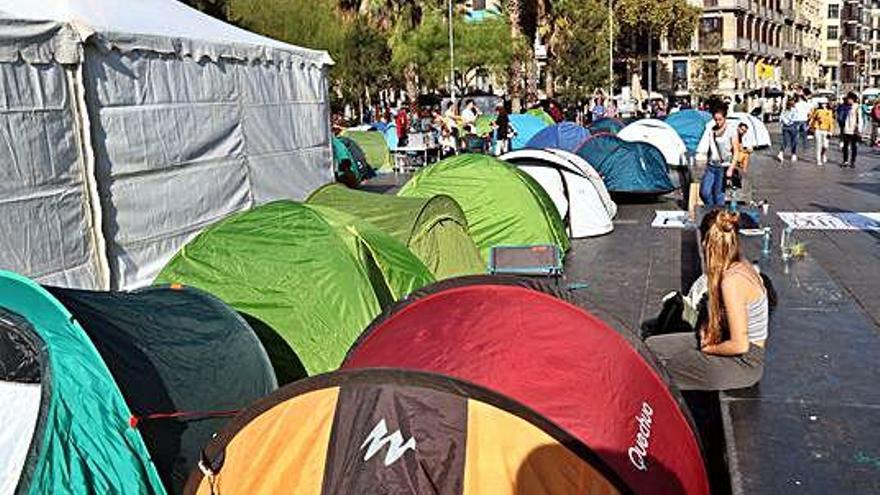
[847,38]
[735,38]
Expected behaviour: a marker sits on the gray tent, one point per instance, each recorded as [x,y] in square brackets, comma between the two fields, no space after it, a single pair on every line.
[131,125]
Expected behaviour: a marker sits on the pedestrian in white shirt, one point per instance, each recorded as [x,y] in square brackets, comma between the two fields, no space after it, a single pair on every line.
[803,109]
[790,127]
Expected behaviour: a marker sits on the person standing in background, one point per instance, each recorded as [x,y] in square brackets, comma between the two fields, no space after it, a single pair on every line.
[849,117]
[716,149]
[502,131]
[822,123]
[401,122]
[611,110]
[598,109]
[556,113]
[790,126]
[803,108]
[470,113]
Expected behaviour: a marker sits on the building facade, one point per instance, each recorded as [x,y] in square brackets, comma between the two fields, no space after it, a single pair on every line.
[848,36]
[743,46]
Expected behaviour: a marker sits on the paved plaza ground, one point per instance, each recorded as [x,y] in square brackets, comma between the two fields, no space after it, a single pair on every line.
[811,425]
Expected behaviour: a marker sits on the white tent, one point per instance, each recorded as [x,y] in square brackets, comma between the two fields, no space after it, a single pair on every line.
[757,137]
[128,126]
[575,188]
[661,135]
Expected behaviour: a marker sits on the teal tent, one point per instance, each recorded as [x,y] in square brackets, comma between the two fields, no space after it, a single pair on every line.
[526,126]
[65,423]
[606,124]
[504,206]
[627,167]
[689,124]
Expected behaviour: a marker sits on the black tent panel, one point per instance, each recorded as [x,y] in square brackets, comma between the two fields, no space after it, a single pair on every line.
[183,360]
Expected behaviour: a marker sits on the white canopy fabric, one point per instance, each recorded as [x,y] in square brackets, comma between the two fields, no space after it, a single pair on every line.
[661,135]
[164,26]
[758,136]
[578,199]
[590,172]
[115,158]
[19,410]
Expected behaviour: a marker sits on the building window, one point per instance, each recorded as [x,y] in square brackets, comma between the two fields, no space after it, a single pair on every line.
[834,11]
[832,53]
[832,33]
[711,29]
[680,75]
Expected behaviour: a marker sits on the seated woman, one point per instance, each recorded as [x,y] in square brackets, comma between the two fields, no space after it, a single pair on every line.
[730,352]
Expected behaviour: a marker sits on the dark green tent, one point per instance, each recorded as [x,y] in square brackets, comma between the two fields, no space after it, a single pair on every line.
[504,206]
[65,424]
[374,146]
[435,228]
[308,278]
[183,360]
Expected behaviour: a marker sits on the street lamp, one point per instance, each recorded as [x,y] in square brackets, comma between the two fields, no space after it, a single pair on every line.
[451,57]
[610,51]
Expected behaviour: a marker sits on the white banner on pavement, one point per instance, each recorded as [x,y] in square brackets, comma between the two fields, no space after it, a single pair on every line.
[670,219]
[824,220]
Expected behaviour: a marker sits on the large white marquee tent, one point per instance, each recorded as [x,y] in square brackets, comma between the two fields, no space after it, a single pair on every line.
[128,126]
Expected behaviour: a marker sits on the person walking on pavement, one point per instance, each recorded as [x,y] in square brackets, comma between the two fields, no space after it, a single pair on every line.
[875,124]
[849,117]
[716,149]
[822,123]
[788,119]
[803,108]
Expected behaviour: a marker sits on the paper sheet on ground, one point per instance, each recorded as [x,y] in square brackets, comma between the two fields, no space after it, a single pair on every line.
[821,220]
[670,219]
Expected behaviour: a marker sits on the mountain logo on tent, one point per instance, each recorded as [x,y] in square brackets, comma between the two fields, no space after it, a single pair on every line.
[379,437]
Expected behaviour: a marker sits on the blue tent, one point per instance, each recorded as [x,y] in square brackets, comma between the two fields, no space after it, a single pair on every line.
[565,136]
[607,124]
[627,167]
[526,126]
[390,133]
[379,126]
[689,124]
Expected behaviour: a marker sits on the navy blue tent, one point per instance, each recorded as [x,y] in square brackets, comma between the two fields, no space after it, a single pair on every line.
[689,124]
[566,136]
[627,167]
[607,124]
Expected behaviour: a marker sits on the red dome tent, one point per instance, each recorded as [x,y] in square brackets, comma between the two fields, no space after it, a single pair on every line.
[553,357]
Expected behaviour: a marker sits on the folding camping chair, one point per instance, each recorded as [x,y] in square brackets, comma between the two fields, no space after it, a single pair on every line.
[540,260]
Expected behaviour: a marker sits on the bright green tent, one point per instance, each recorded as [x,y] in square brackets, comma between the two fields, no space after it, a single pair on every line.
[503,205]
[434,228]
[308,278]
[374,146]
[541,114]
[483,124]
[66,418]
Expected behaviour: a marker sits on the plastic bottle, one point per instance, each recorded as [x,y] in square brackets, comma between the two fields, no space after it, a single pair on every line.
[767,241]
[785,241]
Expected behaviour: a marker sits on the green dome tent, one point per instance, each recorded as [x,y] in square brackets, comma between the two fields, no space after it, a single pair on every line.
[503,205]
[435,228]
[374,147]
[483,124]
[65,422]
[308,278]
[541,114]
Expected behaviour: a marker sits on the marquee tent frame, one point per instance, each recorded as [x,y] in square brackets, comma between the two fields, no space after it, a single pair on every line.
[133,125]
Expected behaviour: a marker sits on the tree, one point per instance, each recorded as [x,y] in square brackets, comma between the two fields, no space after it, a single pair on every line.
[484,46]
[214,8]
[578,47]
[674,19]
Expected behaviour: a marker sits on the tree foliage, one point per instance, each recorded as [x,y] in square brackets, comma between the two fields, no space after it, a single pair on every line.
[578,47]
[675,19]
[483,46]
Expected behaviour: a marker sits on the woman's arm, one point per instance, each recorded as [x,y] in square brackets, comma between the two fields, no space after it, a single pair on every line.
[734,294]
